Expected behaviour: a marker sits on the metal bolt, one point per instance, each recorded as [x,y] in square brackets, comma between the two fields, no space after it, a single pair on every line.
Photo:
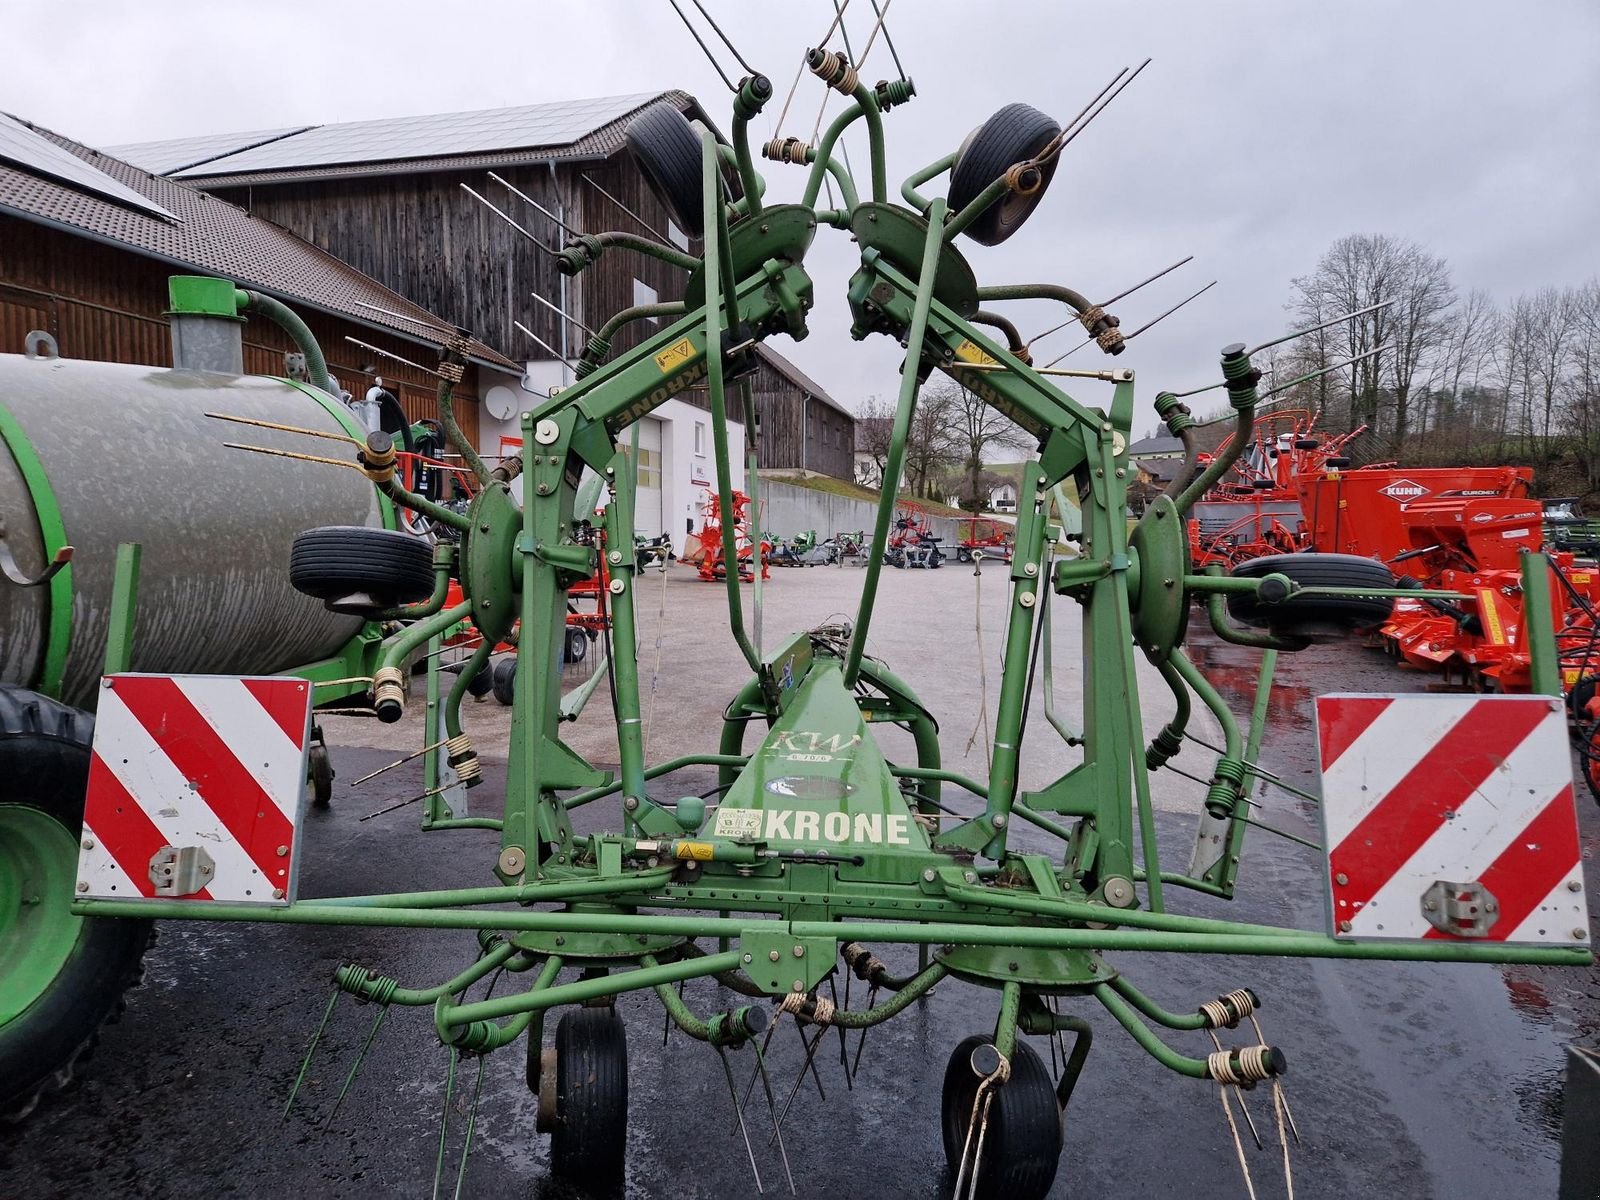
[283,851]
[1169,582]
[799,985]
[526,415]
[1341,879]
[1344,926]
[1121,473]
[773,955]
[614,557]
[799,951]
[560,941]
[1574,886]
[631,803]
[970,876]
[278,893]
[1031,570]
[1026,600]
[484,527]
[1012,966]
[1430,905]
[546,432]
[83,885]
[929,875]
[1000,820]
[1579,934]
[748,958]
[88,843]
[616,587]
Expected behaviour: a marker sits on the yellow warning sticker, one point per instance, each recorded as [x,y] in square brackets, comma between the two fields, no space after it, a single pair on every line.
[675,355]
[1581,577]
[695,850]
[971,352]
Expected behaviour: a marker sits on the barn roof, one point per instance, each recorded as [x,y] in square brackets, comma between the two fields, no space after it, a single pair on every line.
[582,130]
[800,379]
[51,180]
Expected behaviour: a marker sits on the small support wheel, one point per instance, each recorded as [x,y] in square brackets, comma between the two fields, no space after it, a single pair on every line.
[320,775]
[1022,1144]
[577,647]
[505,680]
[590,1137]
[1013,135]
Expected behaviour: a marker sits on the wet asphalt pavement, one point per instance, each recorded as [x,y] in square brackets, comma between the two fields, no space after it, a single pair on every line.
[1408,1080]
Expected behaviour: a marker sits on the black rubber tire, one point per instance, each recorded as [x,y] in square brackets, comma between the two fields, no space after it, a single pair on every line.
[589,1142]
[1263,485]
[320,775]
[482,683]
[1014,134]
[576,648]
[667,150]
[1022,1145]
[1338,462]
[505,680]
[1307,444]
[963,554]
[935,560]
[338,560]
[44,758]
[1316,617]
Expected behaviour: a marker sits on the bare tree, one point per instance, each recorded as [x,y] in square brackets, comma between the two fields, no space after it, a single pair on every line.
[1360,271]
[928,440]
[978,430]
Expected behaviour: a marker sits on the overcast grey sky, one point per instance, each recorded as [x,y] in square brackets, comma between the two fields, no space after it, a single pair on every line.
[1263,130]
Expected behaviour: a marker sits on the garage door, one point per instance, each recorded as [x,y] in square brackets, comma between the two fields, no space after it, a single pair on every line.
[647,499]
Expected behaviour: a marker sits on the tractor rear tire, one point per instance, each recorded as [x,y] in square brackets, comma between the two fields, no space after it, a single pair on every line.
[1316,617]
[667,150]
[64,976]
[1022,1145]
[505,680]
[1014,134]
[589,1142]
[339,562]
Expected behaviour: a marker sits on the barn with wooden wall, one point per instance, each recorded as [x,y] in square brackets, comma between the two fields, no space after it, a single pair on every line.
[388,197]
[88,250]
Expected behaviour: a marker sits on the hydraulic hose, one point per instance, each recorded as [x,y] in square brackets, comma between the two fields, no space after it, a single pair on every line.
[286,319]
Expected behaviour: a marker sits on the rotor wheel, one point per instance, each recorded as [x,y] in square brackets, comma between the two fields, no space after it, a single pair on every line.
[1015,134]
[64,976]
[576,647]
[354,569]
[1315,617]
[668,151]
[1022,1143]
[589,1141]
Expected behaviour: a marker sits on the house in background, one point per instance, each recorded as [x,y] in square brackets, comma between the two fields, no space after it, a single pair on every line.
[88,241]
[389,197]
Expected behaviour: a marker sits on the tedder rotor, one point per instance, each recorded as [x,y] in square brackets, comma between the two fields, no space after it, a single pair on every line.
[823,848]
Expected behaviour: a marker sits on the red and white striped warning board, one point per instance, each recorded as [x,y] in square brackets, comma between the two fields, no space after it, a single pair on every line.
[1451,817]
[195,788]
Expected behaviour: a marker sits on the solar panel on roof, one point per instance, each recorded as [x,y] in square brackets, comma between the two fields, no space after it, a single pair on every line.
[172,154]
[25,148]
[396,138]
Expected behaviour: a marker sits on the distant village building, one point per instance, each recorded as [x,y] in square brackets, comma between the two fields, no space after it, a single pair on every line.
[387,196]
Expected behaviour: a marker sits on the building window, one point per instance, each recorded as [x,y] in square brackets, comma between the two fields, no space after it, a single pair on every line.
[643,293]
[649,473]
[677,236]
[700,438]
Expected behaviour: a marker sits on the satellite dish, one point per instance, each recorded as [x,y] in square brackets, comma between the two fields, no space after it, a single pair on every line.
[500,402]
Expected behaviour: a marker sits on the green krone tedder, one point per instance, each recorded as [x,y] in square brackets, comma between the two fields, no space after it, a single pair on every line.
[816,850]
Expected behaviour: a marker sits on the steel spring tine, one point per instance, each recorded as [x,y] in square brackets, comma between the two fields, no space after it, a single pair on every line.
[872,997]
[733,1094]
[772,1112]
[811,1051]
[444,1120]
[1279,1096]
[811,1056]
[472,1124]
[844,1053]
[1243,1107]
[305,1065]
[765,1042]
[355,1067]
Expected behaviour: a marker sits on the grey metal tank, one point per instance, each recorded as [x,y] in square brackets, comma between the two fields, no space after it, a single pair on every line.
[106,453]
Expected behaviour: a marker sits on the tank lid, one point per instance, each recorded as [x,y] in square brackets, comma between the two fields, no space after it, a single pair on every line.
[202,295]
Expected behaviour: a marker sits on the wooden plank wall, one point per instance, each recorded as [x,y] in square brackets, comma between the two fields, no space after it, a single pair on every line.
[106,304]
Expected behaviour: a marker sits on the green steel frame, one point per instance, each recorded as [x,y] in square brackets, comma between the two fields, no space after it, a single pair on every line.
[767,878]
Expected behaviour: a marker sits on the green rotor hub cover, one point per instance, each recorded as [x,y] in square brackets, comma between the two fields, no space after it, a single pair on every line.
[1160,550]
[488,554]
